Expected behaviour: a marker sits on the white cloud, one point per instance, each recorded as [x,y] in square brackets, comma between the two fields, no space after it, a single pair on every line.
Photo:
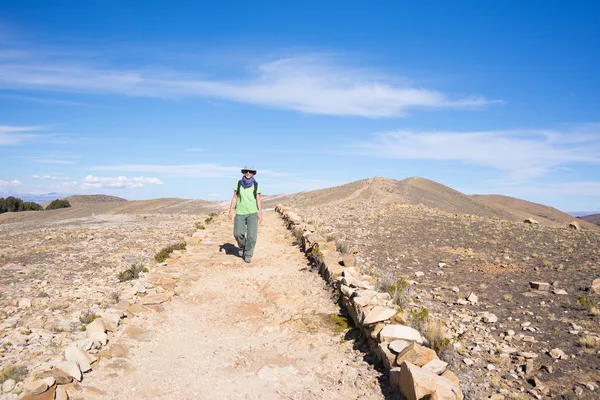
[52,178]
[5,184]
[186,171]
[523,154]
[313,83]
[118,182]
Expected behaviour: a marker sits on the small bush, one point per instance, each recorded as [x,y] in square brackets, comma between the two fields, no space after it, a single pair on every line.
[397,288]
[419,318]
[586,303]
[436,335]
[132,272]
[342,247]
[87,317]
[340,323]
[55,204]
[314,254]
[166,252]
[15,372]
[199,225]
[589,341]
[208,220]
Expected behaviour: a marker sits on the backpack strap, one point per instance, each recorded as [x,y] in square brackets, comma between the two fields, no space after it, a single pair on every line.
[240,184]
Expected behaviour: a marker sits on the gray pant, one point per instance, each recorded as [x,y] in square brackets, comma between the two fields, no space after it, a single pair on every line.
[245,231]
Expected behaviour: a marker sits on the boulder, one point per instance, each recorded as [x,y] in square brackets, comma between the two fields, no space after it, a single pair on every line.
[416,354]
[400,332]
[417,383]
[378,314]
[70,368]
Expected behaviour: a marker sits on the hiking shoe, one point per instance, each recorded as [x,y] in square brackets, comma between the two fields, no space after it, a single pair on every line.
[247,259]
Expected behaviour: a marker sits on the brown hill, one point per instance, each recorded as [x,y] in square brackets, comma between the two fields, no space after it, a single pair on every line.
[380,191]
[155,206]
[522,209]
[592,219]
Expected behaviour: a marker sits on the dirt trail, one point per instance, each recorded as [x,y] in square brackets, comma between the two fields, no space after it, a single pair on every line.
[237,331]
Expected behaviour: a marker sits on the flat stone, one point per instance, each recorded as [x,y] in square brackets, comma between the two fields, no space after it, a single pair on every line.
[70,368]
[157,298]
[35,387]
[47,395]
[400,332]
[436,366]
[540,285]
[59,376]
[378,314]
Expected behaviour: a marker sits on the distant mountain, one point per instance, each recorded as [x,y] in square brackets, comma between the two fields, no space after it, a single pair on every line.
[582,213]
[592,219]
[37,198]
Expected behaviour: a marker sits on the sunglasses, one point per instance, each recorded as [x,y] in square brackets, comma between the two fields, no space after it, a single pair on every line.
[246,171]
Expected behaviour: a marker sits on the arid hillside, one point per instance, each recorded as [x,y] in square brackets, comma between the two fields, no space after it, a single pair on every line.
[86,206]
[376,192]
[516,298]
[592,219]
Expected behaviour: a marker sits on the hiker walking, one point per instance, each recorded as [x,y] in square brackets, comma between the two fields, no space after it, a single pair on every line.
[248,212]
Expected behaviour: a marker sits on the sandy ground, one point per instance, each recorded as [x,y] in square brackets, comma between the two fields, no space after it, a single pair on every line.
[238,331]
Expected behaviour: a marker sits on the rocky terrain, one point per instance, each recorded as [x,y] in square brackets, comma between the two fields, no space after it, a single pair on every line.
[513,283]
[58,270]
[516,296]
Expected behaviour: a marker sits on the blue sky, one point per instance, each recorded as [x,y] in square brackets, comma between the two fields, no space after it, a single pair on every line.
[147,99]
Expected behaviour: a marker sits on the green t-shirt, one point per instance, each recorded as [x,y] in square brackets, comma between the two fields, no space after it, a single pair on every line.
[246,203]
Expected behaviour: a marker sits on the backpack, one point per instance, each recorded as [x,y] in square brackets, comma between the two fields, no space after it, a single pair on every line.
[240,185]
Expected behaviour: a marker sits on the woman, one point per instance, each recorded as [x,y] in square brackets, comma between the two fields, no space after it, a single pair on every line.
[248,212]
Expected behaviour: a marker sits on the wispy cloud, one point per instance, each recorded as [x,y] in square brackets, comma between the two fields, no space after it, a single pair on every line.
[185,171]
[118,182]
[309,83]
[52,178]
[13,135]
[523,154]
[8,184]
[53,158]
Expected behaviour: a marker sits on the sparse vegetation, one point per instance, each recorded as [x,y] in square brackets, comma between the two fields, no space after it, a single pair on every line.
[199,225]
[340,323]
[15,372]
[397,289]
[87,317]
[166,251]
[133,272]
[418,318]
[435,333]
[589,341]
[589,304]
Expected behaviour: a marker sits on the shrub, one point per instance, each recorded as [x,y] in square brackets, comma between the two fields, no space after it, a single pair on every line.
[199,225]
[132,272]
[55,204]
[397,288]
[586,303]
[419,318]
[436,335]
[15,372]
[166,252]
[87,317]
[589,341]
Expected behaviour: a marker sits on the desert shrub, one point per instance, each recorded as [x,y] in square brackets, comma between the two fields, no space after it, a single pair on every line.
[589,341]
[87,317]
[55,204]
[589,304]
[436,335]
[199,225]
[314,254]
[418,318]
[396,287]
[330,237]
[115,297]
[15,372]
[132,272]
[166,252]
[208,220]
[547,264]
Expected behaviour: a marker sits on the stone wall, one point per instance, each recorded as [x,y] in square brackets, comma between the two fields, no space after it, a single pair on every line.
[414,368]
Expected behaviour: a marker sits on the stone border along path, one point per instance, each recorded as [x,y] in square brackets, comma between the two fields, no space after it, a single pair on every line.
[206,325]
[414,370]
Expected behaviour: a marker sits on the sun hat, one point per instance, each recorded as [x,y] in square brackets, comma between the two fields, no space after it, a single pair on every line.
[249,167]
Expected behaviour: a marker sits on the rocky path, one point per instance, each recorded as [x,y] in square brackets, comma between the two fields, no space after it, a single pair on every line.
[237,331]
